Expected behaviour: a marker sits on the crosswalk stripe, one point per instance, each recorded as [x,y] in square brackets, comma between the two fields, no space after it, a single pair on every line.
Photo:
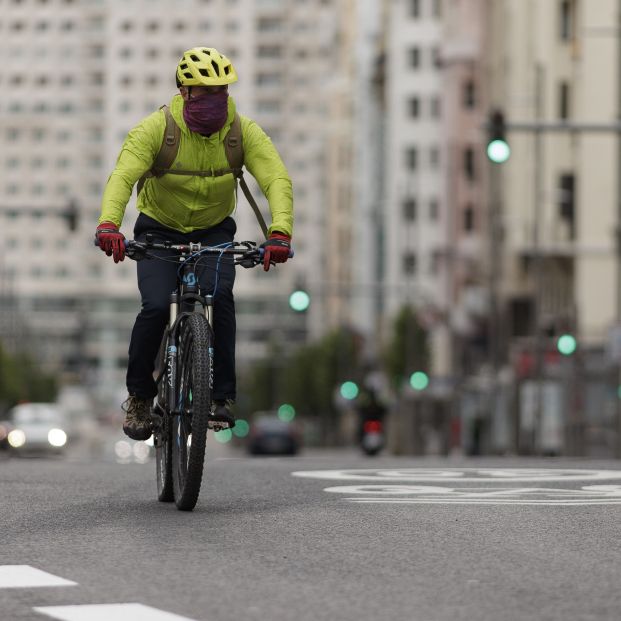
[24,576]
[105,612]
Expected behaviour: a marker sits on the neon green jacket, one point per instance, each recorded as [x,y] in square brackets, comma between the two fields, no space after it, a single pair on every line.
[187,203]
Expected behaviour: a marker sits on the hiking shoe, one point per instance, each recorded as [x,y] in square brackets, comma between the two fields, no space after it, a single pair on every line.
[220,413]
[138,422]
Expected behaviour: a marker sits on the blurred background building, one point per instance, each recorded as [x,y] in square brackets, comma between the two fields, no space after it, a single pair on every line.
[381,110]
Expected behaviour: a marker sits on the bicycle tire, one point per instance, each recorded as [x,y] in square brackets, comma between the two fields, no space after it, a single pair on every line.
[189,428]
[162,436]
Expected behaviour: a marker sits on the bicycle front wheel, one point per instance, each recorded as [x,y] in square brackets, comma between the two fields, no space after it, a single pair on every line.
[162,431]
[189,428]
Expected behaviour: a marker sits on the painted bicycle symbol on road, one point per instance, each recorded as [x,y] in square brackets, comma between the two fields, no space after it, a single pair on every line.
[463,486]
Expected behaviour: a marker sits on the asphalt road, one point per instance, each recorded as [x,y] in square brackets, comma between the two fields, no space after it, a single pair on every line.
[493,542]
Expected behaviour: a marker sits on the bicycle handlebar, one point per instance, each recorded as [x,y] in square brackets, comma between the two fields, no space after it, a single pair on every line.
[246,250]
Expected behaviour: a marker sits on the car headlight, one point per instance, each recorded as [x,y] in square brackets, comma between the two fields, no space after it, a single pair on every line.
[16,438]
[57,437]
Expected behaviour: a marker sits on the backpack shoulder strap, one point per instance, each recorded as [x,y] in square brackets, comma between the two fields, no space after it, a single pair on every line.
[170,145]
[234,149]
[168,150]
[234,146]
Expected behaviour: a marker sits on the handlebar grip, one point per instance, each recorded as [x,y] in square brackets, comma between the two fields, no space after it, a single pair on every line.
[125,242]
[262,252]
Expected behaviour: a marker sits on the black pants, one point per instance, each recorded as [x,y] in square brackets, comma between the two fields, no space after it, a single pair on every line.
[156,281]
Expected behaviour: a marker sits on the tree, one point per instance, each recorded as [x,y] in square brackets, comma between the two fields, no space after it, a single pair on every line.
[408,348]
[22,380]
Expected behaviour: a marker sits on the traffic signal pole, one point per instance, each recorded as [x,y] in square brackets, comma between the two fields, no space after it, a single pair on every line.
[538,129]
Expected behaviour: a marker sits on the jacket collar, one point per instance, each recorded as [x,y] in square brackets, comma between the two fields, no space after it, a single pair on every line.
[176,109]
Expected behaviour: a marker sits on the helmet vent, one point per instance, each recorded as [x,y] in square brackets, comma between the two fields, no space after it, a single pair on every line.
[183,66]
[187,75]
[206,51]
[227,70]
[203,72]
[194,57]
[215,67]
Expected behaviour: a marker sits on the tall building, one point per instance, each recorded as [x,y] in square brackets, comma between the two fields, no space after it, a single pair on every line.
[76,77]
[416,212]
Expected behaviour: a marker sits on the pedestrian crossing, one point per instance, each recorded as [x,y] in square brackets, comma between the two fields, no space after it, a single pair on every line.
[27,577]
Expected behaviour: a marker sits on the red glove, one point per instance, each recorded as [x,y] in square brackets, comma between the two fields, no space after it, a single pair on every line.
[111,240]
[277,249]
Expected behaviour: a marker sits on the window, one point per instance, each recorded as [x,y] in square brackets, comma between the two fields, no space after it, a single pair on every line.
[434,157]
[469,165]
[411,158]
[273,79]
[469,219]
[469,95]
[436,107]
[269,51]
[437,8]
[436,57]
[434,209]
[414,57]
[566,20]
[566,201]
[409,263]
[564,101]
[269,24]
[415,9]
[268,105]
[414,107]
[409,209]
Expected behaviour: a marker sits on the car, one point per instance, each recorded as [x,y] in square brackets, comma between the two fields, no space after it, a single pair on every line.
[269,435]
[37,427]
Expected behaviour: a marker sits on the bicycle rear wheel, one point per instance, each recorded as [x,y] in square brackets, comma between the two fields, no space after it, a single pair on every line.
[189,428]
[162,432]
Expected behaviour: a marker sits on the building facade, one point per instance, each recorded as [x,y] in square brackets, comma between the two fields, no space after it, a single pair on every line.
[64,114]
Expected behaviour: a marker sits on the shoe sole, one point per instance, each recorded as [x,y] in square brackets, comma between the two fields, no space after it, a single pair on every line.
[137,434]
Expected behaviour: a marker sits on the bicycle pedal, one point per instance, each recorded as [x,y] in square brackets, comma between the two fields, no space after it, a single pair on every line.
[217,425]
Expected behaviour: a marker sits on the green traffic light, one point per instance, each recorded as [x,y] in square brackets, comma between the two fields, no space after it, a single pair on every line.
[299,301]
[498,151]
[286,412]
[419,380]
[349,390]
[566,344]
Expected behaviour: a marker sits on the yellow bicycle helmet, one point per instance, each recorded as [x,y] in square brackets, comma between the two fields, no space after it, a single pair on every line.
[205,66]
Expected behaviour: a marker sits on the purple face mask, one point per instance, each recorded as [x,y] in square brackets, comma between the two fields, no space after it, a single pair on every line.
[206,114]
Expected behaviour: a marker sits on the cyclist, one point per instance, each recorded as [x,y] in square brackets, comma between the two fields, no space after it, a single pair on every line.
[186,208]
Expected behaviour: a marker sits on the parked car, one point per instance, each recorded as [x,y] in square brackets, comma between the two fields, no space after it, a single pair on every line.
[271,436]
[37,427]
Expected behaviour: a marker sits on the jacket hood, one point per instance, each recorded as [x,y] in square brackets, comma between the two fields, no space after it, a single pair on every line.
[176,109]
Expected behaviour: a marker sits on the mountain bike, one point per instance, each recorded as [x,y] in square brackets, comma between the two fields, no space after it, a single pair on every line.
[182,411]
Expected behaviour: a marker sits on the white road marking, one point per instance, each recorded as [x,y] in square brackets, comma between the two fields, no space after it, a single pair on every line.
[24,576]
[463,475]
[106,612]
[426,495]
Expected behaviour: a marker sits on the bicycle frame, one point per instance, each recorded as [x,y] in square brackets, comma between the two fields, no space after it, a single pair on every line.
[186,295]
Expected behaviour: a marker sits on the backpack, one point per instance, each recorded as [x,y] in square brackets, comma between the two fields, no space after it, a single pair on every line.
[233,147]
